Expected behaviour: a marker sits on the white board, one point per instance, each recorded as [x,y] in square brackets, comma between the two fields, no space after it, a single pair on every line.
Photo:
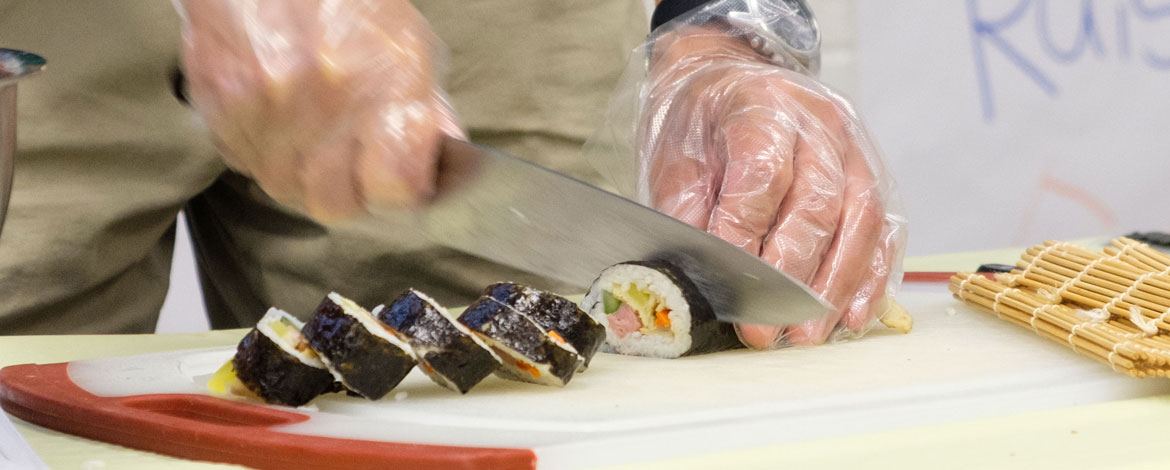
[1007,122]
[956,364]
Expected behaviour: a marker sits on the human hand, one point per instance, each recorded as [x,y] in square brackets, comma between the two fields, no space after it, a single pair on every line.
[331,106]
[775,163]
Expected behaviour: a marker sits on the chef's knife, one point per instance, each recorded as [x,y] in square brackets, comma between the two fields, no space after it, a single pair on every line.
[523,215]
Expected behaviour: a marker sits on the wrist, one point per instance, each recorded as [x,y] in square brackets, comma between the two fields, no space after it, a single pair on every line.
[696,45]
[782,32]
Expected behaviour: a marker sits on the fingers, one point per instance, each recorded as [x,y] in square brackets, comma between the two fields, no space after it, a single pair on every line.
[807,219]
[218,67]
[871,300]
[329,188]
[684,188]
[759,337]
[758,149]
[853,246]
[863,308]
[379,167]
[677,155]
[398,163]
[759,144]
[329,108]
[448,122]
[759,173]
[809,216]
[805,200]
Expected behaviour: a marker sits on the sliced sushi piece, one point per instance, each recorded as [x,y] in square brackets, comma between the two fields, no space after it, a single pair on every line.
[527,352]
[447,351]
[275,363]
[651,308]
[556,314]
[366,357]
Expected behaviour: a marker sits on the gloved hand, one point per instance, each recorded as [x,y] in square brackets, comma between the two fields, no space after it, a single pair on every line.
[331,106]
[774,162]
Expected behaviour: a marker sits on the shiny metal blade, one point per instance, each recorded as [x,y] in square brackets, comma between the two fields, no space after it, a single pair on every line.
[519,214]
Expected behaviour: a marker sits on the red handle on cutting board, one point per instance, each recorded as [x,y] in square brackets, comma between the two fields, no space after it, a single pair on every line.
[203,427]
[935,276]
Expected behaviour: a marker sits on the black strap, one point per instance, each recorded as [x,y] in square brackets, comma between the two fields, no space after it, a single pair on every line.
[179,85]
[670,9]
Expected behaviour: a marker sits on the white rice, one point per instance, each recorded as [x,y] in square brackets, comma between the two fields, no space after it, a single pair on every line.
[637,343]
[371,323]
[511,356]
[511,371]
[307,357]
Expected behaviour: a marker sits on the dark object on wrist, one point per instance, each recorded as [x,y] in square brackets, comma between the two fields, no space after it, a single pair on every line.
[782,31]
[1161,239]
[995,268]
[179,85]
[671,9]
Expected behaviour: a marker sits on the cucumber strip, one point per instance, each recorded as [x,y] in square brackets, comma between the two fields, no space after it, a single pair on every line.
[611,303]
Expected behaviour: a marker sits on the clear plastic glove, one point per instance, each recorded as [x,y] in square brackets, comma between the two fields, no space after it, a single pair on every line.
[766,158]
[330,105]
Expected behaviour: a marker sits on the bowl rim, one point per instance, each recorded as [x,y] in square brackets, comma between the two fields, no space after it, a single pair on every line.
[15,65]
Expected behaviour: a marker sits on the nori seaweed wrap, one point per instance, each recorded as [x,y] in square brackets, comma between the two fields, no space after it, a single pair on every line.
[274,362]
[651,308]
[361,353]
[528,352]
[447,351]
[555,313]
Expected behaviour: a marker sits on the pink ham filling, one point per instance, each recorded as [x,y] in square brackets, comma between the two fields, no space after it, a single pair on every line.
[624,321]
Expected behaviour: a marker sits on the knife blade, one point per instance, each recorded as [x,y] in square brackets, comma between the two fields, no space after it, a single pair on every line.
[519,214]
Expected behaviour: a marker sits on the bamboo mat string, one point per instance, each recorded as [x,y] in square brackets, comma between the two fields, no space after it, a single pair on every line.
[995,305]
[1091,320]
[1112,305]
[1045,251]
[1147,326]
[963,286]
[1063,291]
[1099,280]
[1112,356]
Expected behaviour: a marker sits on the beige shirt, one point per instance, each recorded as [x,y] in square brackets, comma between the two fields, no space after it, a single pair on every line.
[108,157]
[544,68]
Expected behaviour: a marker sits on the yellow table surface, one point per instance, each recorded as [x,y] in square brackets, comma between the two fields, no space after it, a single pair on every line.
[1121,434]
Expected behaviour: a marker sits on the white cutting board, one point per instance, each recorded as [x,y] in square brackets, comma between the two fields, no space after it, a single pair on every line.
[958,363]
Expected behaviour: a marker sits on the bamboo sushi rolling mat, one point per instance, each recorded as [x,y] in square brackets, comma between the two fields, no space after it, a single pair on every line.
[1112,305]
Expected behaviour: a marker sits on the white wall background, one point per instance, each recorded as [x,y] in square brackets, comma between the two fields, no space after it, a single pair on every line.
[183,309]
[1008,122]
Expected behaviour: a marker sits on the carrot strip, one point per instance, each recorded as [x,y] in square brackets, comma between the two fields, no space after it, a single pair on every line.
[662,318]
[528,368]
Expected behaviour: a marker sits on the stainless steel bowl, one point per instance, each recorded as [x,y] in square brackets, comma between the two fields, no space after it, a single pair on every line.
[14,66]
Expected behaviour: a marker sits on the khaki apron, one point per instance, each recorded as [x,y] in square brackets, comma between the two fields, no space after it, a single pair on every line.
[108,156]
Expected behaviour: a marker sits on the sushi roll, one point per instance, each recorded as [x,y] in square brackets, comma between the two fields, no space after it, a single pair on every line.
[556,314]
[651,308]
[527,352]
[447,351]
[275,363]
[357,349]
